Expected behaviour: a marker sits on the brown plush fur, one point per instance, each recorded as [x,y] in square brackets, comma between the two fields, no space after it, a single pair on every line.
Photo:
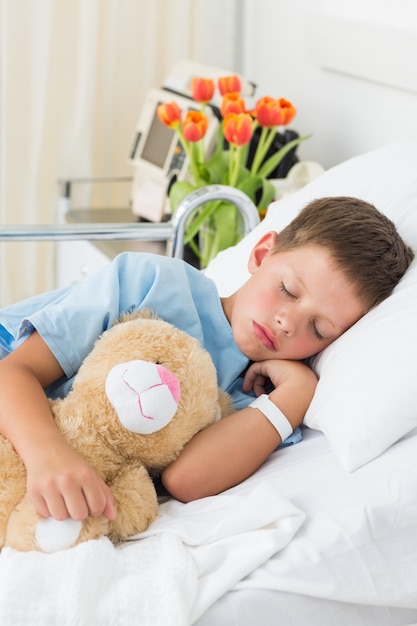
[91,426]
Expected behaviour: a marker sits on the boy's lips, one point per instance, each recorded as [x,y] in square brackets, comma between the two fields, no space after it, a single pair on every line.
[266,337]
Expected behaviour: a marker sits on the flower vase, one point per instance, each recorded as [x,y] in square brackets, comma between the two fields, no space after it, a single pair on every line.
[222,229]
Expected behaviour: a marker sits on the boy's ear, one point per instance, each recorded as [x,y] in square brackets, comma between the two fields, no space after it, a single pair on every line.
[261,249]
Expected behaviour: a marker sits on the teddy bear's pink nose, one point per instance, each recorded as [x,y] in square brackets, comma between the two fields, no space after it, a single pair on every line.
[170,380]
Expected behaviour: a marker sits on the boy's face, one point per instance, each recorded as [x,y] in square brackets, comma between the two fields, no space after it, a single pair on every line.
[294,305]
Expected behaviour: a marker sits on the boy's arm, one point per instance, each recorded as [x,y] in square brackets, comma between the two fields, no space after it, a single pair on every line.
[60,483]
[227,452]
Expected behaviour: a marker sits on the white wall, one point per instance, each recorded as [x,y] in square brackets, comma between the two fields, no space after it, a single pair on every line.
[366,95]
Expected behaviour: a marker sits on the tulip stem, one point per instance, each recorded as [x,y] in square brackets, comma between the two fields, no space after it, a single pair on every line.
[192,161]
[257,159]
[234,164]
[265,141]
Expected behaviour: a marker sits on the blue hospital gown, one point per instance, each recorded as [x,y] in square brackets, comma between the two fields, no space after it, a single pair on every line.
[71,319]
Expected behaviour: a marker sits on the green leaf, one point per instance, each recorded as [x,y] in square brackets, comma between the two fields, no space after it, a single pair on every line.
[273,161]
[250,185]
[268,194]
[217,165]
[179,190]
[197,219]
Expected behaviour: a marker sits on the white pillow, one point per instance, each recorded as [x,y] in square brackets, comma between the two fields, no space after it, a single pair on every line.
[366,398]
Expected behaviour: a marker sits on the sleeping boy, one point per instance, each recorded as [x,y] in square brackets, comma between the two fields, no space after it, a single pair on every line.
[339,258]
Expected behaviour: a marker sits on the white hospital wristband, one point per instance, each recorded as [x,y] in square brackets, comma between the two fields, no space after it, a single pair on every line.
[274,415]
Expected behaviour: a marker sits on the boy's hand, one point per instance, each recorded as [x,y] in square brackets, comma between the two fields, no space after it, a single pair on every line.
[61,484]
[278,372]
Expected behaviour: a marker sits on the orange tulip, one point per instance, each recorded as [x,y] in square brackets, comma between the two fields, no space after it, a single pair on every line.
[270,112]
[229,84]
[232,103]
[237,128]
[202,89]
[169,114]
[194,126]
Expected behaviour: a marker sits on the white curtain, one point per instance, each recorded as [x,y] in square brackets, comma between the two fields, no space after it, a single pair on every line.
[73,74]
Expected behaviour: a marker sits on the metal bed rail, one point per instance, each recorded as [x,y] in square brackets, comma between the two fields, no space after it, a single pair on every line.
[172,232]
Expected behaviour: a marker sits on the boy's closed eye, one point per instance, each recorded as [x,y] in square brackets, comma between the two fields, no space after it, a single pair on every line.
[317,333]
[286,292]
[290,295]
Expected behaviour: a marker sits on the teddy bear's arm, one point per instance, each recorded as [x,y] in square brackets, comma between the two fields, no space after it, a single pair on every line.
[135,502]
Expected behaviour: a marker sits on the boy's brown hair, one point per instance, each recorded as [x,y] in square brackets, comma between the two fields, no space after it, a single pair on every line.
[364,243]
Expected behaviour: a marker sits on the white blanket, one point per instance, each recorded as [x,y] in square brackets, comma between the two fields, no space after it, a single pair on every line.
[169,575]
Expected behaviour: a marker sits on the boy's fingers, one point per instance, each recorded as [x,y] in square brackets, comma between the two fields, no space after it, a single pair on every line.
[57,507]
[100,501]
[40,506]
[252,379]
[48,504]
[110,511]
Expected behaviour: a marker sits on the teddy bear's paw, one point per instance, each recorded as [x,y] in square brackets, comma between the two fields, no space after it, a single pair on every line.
[52,535]
[145,395]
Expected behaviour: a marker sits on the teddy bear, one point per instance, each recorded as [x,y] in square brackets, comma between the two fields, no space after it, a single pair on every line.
[143,391]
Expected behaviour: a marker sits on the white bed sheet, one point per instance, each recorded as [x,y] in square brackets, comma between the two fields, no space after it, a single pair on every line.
[354,560]
[301,537]
[262,607]
[168,576]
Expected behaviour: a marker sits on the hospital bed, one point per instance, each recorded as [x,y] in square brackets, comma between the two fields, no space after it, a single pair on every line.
[325,532]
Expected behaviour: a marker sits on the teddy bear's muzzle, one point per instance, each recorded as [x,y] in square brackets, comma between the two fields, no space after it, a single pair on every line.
[144,395]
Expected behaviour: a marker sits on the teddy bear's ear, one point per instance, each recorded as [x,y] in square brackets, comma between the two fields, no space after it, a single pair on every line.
[144,395]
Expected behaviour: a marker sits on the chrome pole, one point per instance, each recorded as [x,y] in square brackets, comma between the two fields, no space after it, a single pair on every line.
[207,194]
[172,232]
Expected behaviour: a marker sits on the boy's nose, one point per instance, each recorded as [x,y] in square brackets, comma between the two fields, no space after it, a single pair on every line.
[285,323]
